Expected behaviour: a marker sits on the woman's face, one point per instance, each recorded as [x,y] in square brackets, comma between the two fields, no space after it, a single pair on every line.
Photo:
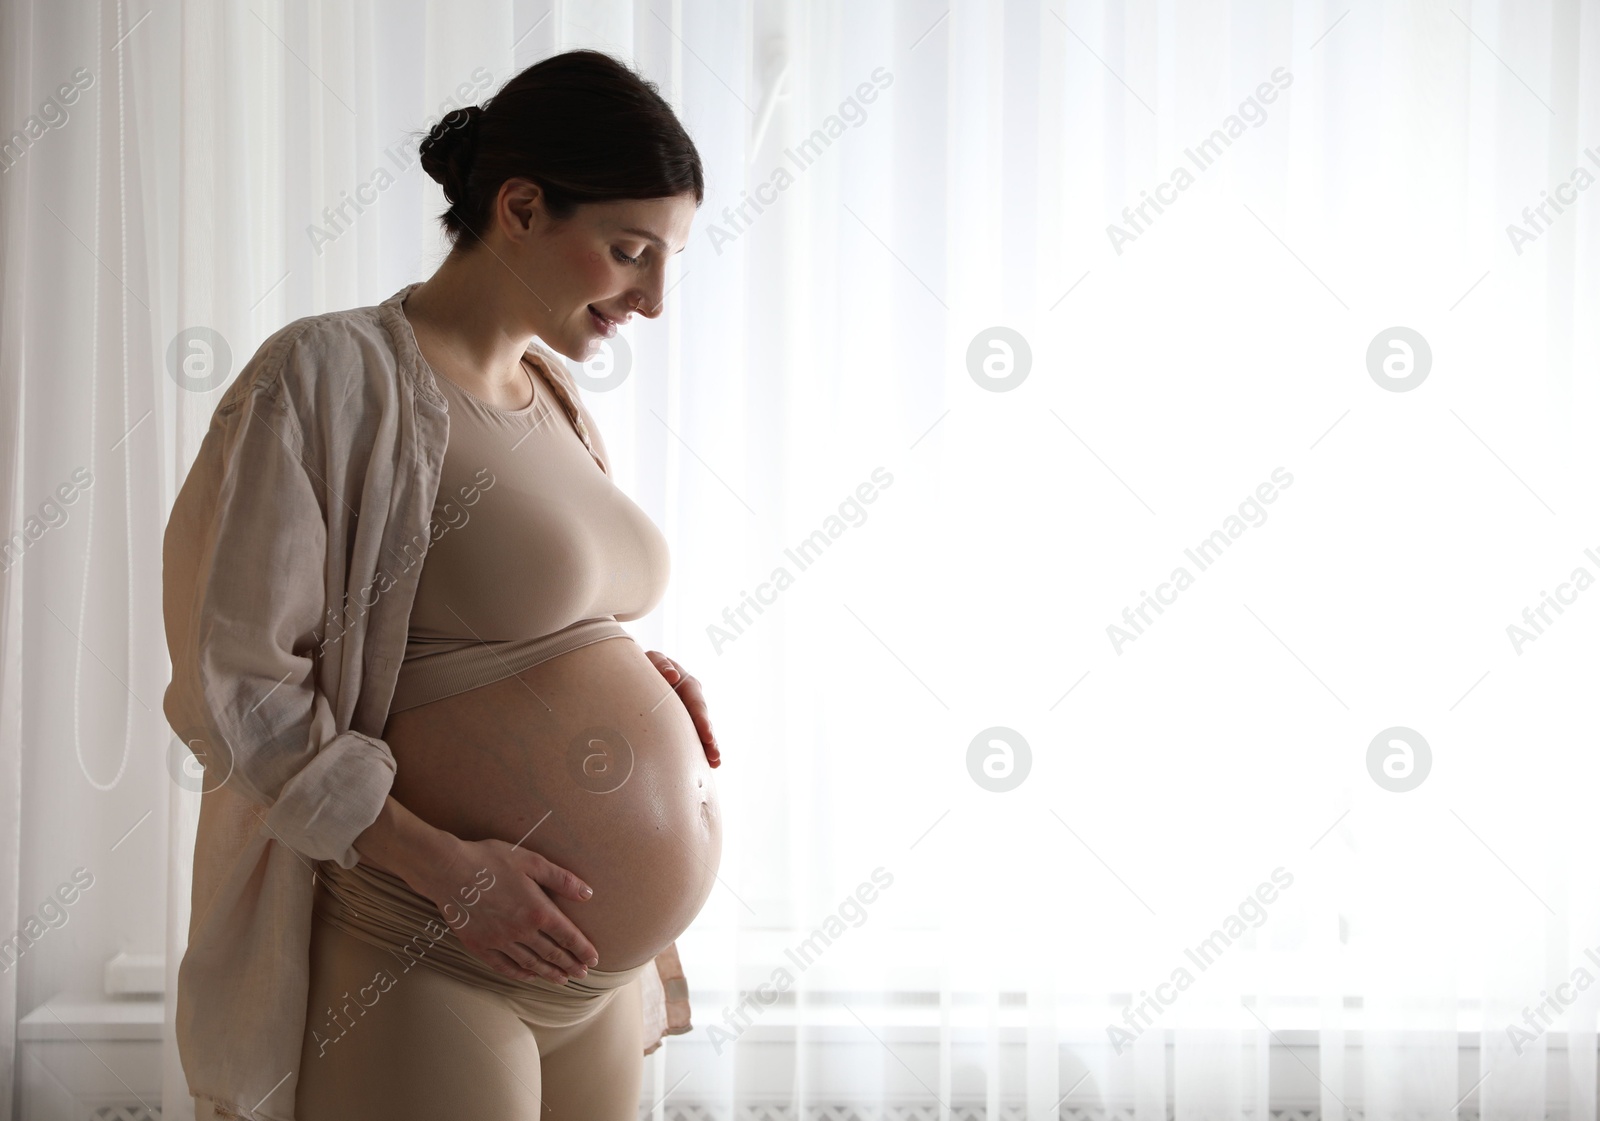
[608,258]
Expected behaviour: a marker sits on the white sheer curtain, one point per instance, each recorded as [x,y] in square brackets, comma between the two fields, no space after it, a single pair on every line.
[931,316]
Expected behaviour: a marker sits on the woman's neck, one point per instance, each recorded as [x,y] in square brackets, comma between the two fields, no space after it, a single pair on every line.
[468,333]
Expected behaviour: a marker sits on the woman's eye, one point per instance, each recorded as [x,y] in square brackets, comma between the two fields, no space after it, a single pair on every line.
[623,257]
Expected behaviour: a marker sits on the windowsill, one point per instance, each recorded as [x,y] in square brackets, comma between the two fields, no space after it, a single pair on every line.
[64,1019]
[913,1017]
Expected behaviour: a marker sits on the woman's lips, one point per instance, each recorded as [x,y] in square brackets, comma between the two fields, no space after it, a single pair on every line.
[604,326]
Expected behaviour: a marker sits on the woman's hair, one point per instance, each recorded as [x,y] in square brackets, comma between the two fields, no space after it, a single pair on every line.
[584,126]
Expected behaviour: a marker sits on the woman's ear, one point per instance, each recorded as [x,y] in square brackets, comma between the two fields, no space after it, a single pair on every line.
[519,208]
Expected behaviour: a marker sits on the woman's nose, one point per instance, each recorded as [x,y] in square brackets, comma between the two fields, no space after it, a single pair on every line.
[649,299]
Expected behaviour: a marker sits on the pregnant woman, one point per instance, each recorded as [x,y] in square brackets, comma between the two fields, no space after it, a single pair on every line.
[393,581]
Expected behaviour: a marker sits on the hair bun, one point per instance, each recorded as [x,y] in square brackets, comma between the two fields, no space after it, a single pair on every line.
[447,150]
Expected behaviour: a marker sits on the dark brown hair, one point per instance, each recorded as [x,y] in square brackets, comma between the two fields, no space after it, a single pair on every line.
[581,124]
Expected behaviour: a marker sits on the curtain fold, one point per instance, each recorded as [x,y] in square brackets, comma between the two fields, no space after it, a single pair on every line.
[14,84]
[1128,468]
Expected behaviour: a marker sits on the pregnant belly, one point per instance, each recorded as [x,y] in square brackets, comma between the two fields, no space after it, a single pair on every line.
[595,753]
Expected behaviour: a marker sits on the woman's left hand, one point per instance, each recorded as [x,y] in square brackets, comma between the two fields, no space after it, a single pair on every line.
[688,690]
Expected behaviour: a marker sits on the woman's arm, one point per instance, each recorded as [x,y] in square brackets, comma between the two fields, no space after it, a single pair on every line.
[245,599]
[402,844]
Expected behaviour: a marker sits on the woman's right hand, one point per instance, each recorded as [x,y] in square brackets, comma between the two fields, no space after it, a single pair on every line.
[493,895]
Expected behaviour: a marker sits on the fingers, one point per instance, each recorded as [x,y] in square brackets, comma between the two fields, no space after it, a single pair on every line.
[525,965]
[553,877]
[669,669]
[694,701]
[563,934]
[538,954]
[542,947]
[560,929]
[693,698]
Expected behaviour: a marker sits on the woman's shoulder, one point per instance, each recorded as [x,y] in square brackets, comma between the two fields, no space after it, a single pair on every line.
[319,358]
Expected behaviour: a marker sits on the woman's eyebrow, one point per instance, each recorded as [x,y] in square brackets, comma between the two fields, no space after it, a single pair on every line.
[648,236]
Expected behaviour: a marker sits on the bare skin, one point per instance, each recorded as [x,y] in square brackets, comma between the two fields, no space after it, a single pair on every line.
[591,761]
[490,778]
[474,317]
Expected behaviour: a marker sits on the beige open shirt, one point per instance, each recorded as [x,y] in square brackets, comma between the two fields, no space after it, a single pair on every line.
[288,569]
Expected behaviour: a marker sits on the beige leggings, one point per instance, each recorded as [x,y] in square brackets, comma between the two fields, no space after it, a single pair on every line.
[399,1035]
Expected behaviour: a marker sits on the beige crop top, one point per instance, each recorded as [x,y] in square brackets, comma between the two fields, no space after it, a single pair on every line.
[535,551]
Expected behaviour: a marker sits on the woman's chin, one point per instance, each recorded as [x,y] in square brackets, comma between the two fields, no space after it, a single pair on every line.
[589,346]
[564,350]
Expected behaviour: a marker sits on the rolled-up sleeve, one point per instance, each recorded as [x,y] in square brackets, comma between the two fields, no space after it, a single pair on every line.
[245,599]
